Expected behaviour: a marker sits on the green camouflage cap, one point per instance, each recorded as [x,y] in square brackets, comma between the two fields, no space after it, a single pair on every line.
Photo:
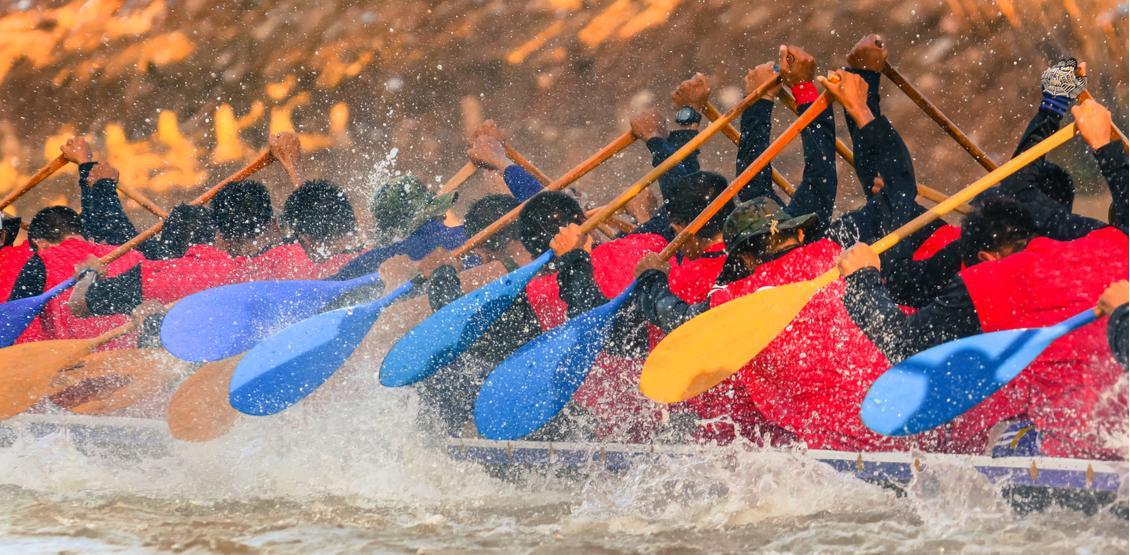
[403,204]
[759,217]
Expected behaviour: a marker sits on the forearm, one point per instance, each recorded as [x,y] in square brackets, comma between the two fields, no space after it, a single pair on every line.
[658,305]
[1113,165]
[817,191]
[661,149]
[873,79]
[31,281]
[103,217]
[1041,126]
[756,127]
[576,284]
[521,184]
[116,295]
[915,283]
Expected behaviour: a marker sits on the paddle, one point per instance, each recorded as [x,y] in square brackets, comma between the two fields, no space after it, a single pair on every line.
[1115,133]
[734,135]
[105,382]
[199,409]
[710,347]
[447,333]
[15,316]
[941,383]
[51,167]
[529,388]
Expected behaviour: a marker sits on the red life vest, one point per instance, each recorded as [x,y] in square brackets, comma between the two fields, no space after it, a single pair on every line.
[202,267]
[12,260]
[940,239]
[691,279]
[1066,392]
[289,261]
[811,379]
[56,318]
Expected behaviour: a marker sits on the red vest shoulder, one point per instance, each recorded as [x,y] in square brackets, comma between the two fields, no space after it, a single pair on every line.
[802,263]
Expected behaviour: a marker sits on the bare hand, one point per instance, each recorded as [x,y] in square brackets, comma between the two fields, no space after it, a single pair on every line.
[103,170]
[851,91]
[76,150]
[797,65]
[758,76]
[869,53]
[91,263]
[397,270]
[859,257]
[489,129]
[694,92]
[1115,296]
[1093,122]
[651,261]
[570,238]
[649,124]
[284,146]
[487,152]
[147,309]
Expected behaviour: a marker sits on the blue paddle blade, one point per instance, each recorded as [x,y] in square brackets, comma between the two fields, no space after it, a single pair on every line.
[528,389]
[291,364]
[222,322]
[16,316]
[443,336]
[939,384]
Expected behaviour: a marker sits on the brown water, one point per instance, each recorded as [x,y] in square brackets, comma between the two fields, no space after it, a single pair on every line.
[353,473]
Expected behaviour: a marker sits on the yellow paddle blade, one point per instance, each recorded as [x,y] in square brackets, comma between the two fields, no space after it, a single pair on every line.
[108,381]
[199,409]
[27,370]
[712,346]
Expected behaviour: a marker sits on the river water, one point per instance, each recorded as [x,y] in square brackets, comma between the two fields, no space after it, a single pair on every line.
[349,470]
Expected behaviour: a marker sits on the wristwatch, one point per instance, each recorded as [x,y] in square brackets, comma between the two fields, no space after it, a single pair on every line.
[687,116]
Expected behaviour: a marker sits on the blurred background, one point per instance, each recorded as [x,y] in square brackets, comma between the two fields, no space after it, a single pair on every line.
[177,94]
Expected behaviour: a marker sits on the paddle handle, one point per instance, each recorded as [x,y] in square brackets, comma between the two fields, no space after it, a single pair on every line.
[977,187]
[459,178]
[747,175]
[678,156]
[143,200]
[712,114]
[935,114]
[1115,132]
[43,173]
[611,149]
[262,161]
[526,164]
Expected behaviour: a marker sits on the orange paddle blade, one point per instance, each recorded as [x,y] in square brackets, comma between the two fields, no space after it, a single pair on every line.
[706,350]
[29,368]
[199,410]
[109,381]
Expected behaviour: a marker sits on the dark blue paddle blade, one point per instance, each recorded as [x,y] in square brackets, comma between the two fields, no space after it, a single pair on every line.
[16,316]
[443,336]
[288,366]
[939,384]
[222,322]
[528,389]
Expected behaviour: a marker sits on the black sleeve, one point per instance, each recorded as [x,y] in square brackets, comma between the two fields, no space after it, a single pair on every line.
[756,126]
[31,281]
[658,305]
[898,335]
[1113,165]
[915,283]
[1053,219]
[443,287]
[816,193]
[103,218]
[576,284]
[1118,334]
[1043,125]
[865,171]
[116,295]
[661,149]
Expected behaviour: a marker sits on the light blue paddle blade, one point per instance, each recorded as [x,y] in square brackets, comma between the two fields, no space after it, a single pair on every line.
[16,316]
[443,336]
[939,384]
[528,389]
[222,322]
[288,366]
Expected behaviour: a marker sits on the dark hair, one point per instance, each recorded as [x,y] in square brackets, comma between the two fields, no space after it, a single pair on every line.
[319,210]
[242,210]
[998,223]
[185,227]
[690,196]
[10,226]
[543,216]
[54,223]
[486,211]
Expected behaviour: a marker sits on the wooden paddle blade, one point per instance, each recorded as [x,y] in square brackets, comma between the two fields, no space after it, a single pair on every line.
[703,352]
[16,316]
[108,381]
[199,409]
[438,340]
[529,388]
[939,384]
[28,370]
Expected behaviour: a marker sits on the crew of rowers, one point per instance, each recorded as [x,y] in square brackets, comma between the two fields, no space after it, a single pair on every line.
[1021,258]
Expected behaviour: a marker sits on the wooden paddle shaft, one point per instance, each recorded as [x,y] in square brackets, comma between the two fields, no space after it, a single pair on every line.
[459,178]
[928,193]
[935,114]
[678,156]
[259,163]
[43,173]
[144,201]
[598,158]
[775,148]
[526,164]
[712,114]
[1115,132]
[977,187]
